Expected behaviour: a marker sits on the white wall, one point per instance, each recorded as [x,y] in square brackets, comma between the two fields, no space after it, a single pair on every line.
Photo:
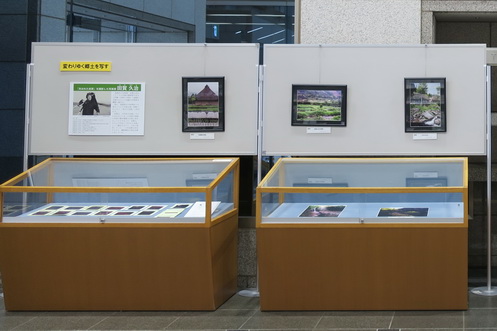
[374,76]
[161,67]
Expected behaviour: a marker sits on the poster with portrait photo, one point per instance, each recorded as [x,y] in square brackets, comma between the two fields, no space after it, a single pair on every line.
[107,109]
[203,104]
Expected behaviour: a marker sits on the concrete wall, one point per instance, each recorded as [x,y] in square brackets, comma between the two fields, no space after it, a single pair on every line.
[377,21]
[360,21]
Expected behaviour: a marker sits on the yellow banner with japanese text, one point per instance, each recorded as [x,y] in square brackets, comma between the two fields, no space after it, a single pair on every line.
[85,66]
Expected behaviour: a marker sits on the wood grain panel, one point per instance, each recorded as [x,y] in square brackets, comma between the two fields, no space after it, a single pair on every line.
[362,269]
[118,268]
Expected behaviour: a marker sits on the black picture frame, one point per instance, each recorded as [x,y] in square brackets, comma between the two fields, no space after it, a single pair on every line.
[309,102]
[203,104]
[425,105]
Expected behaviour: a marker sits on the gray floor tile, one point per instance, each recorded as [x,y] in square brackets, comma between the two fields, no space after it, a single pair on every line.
[137,321]
[9,321]
[63,321]
[219,319]
[242,313]
[428,319]
[331,329]
[481,301]
[239,302]
[356,320]
[480,318]
[283,320]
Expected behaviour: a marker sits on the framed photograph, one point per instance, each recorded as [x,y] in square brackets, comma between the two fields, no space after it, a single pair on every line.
[319,105]
[203,104]
[425,109]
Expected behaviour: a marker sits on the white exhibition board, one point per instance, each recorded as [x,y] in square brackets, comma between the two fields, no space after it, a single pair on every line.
[160,67]
[374,76]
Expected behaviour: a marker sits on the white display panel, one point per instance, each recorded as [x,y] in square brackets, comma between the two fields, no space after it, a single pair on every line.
[374,76]
[169,212]
[367,213]
[161,67]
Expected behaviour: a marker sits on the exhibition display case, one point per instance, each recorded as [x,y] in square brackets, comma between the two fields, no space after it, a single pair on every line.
[120,234]
[363,234]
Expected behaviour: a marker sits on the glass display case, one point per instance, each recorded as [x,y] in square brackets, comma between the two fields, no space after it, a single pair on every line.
[120,234]
[363,234]
[306,191]
[69,190]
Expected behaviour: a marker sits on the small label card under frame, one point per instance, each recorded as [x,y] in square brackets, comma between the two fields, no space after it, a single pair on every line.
[317,129]
[202,136]
[425,174]
[204,176]
[425,136]
[319,180]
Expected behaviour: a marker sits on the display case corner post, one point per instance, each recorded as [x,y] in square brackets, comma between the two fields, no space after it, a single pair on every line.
[208,206]
[236,184]
[258,207]
[1,206]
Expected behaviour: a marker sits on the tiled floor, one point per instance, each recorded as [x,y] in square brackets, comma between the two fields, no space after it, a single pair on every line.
[242,313]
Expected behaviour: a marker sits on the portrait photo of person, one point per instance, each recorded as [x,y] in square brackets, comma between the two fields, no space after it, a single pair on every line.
[90,105]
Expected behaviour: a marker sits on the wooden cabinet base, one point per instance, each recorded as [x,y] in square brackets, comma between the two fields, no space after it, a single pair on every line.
[382,268]
[118,267]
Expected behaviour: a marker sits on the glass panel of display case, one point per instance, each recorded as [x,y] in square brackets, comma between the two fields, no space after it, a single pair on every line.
[403,190]
[296,172]
[91,191]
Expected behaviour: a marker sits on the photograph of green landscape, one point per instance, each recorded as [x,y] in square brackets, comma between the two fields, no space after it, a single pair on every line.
[425,105]
[319,105]
[203,104]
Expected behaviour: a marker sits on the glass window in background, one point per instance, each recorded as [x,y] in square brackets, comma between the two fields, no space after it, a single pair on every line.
[266,22]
